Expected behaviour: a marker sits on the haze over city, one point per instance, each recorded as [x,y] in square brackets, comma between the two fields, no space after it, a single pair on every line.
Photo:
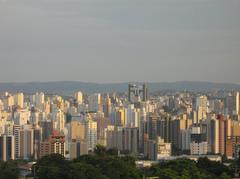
[119,89]
[119,41]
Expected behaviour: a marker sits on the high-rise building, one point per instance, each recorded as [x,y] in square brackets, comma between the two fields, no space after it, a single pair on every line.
[232,147]
[7,148]
[157,149]
[218,129]
[58,120]
[39,99]
[21,116]
[54,145]
[94,101]
[16,133]
[237,103]
[26,142]
[10,101]
[222,134]
[8,128]
[77,130]
[19,100]
[230,104]
[91,133]
[114,135]
[131,139]
[47,129]
[198,145]
[79,97]
[107,107]
[120,117]
[78,148]
[179,125]
[164,129]
[137,93]
[37,138]
[152,126]
[102,123]
[202,107]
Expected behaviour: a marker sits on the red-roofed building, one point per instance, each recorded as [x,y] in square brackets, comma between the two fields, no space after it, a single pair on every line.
[55,144]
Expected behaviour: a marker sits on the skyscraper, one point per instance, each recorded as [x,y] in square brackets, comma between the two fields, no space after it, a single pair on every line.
[94,102]
[39,99]
[26,142]
[91,133]
[54,145]
[79,97]
[202,107]
[131,139]
[137,93]
[237,103]
[19,100]
[7,148]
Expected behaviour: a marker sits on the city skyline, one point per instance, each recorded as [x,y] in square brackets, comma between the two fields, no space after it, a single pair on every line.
[105,89]
[153,41]
[170,126]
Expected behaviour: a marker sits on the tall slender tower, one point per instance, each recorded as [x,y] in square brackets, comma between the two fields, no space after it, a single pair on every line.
[237,103]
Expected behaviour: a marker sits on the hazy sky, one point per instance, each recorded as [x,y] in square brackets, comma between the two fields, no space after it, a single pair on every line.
[120,40]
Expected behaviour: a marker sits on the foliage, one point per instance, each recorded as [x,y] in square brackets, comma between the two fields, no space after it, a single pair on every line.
[106,164]
[52,166]
[9,170]
[184,169]
[103,164]
[213,167]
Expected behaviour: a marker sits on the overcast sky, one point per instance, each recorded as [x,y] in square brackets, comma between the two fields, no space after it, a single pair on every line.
[120,40]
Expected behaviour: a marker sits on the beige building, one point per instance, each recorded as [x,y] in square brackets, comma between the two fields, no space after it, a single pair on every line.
[54,145]
[77,130]
[26,146]
[157,149]
[79,97]
[19,100]
[78,148]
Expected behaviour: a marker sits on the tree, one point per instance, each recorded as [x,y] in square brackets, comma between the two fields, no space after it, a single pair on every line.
[53,166]
[166,174]
[9,170]
[100,150]
[86,171]
[213,167]
[113,152]
[224,176]
[177,169]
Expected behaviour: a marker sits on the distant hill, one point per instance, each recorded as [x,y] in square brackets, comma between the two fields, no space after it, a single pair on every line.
[69,87]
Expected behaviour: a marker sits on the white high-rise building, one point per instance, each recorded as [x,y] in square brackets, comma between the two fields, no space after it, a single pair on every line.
[19,100]
[39,99]
[198,148]
[237,103]
[59,120]
[91,133]
[9,128]
[21,116]
[16,132]
[202,107]
[198,145]
[79,97]
[94,102]
[9,101]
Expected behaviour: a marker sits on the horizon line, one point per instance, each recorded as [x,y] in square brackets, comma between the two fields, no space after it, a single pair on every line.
[104,83]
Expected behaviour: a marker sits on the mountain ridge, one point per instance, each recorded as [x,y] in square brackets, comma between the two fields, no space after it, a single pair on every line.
[69,87]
